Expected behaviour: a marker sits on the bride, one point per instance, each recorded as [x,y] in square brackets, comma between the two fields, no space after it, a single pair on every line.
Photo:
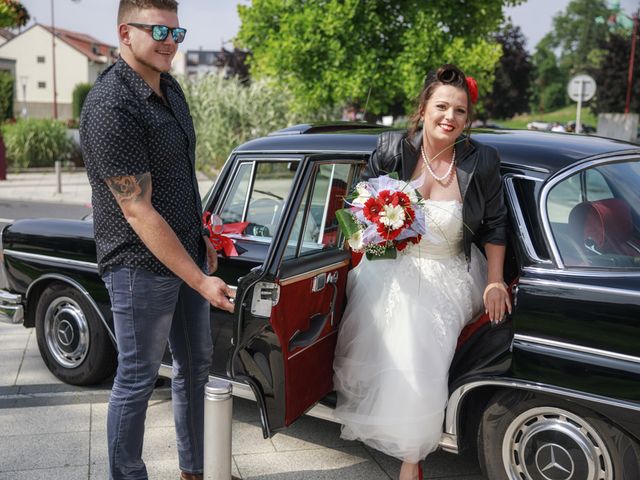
[403,317]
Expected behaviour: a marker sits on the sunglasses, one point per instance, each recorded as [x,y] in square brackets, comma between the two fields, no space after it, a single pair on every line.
[160,32]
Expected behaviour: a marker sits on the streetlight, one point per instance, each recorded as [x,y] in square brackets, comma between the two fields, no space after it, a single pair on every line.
[23,82]
[631,58]
[53,60]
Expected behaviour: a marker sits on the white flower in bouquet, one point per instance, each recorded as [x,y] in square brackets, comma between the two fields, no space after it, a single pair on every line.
[355,241]
[392,216]
[363,193]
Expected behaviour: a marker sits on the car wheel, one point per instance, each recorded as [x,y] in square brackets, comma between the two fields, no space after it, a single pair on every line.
[526,436]
[72,340]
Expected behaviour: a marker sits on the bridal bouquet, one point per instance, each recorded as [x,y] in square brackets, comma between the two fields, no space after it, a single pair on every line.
[383,217]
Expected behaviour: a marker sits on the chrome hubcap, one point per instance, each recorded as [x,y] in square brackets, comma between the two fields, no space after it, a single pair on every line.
[66,332]
[548,443]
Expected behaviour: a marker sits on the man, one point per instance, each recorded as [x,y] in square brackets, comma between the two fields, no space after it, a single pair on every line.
[138,144]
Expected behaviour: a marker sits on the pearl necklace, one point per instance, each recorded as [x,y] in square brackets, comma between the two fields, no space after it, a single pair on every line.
[427,164]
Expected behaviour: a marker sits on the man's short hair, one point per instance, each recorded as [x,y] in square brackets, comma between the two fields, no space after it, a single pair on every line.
[128,7]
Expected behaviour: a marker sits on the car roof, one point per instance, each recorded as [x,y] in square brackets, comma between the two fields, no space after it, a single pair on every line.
[523,149]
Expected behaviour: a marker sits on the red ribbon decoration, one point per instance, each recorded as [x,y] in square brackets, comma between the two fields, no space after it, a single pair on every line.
[219,240]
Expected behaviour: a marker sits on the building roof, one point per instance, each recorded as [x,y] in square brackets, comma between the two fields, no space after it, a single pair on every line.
[6,34]
[92,48]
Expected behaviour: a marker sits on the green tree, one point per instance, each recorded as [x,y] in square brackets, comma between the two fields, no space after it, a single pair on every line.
[340,52]
[511,85]
[573,46]
[80,92]
[549,86]
[6,96]
[612,77]
[578,35]
[13,14]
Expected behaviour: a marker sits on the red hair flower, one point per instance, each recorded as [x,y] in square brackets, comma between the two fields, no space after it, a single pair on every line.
[472,85]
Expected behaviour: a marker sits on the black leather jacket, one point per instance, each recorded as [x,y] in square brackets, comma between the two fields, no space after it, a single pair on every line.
[478,171]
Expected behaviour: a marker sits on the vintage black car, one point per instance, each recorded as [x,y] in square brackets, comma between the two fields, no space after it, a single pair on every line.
[553,393]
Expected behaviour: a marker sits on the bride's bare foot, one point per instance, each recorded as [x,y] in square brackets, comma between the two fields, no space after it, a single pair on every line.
[409,471]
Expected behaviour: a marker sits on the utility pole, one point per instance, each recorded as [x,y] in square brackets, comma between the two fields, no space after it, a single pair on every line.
[53,61]
[634,33]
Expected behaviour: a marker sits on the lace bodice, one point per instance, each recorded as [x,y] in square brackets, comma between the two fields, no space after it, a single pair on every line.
[444,230]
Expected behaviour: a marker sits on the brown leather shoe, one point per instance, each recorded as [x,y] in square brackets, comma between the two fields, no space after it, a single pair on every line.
[190,476]
[197,476]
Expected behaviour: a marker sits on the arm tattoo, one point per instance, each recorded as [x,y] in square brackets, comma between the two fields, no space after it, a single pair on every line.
[128,188]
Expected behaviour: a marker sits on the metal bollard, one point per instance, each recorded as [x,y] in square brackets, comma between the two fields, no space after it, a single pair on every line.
[218,405]
[58,166]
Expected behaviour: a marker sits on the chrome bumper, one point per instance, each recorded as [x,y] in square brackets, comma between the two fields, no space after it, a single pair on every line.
[11,309]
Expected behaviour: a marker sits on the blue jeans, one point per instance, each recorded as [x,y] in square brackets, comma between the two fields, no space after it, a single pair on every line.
[147,310]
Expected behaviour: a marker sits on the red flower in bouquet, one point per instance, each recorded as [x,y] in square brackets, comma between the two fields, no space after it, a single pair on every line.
[400,198]
[402,244]
[388,233]
[372,209]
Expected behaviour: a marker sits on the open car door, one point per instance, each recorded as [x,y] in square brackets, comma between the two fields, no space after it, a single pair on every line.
[289,308]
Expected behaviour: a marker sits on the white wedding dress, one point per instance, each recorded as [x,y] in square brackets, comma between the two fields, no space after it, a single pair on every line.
[398,336]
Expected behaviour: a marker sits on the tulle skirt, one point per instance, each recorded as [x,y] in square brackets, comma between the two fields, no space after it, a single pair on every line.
[395,345]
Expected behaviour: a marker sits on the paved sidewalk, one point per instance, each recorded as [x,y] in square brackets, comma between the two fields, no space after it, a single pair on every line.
[53,431]
[75,188]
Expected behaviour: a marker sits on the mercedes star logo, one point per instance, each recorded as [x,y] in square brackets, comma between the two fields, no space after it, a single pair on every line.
[65,333]
[554,462]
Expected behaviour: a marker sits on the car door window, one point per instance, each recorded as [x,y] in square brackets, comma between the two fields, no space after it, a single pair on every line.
[257,195]
[316,226]
[595,216]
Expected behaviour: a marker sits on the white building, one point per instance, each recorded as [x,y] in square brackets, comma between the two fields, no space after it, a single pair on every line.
[79,58]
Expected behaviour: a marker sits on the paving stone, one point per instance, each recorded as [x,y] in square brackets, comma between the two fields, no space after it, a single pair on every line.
[10,361]
[437,465]
[245,411]
[32,345]
[15,341]
[35,372]
[246,438]
[64,473]
[44,420]
[353,463]
[309,433]
[38,451]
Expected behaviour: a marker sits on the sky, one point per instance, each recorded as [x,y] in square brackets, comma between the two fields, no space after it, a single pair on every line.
[211,23]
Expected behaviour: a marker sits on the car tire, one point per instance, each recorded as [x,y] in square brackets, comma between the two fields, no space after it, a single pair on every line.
[72,340]
[527,436]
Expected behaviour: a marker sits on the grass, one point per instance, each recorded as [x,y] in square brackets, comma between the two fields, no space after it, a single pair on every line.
[563,115]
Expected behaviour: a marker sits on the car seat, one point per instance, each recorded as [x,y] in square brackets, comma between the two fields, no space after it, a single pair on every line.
[605,227]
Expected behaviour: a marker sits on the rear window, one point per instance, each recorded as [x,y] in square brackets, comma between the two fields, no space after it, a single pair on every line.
[595,216]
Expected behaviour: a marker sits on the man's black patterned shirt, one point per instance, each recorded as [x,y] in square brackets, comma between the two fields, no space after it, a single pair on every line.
[127,129]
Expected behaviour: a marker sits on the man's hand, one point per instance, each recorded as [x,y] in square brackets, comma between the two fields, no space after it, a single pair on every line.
[217,293]
[212,256]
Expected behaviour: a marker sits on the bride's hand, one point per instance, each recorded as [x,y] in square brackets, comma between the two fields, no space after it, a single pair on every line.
[496,302]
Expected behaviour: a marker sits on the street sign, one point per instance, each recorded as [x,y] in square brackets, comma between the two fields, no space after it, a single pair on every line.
[581,87]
